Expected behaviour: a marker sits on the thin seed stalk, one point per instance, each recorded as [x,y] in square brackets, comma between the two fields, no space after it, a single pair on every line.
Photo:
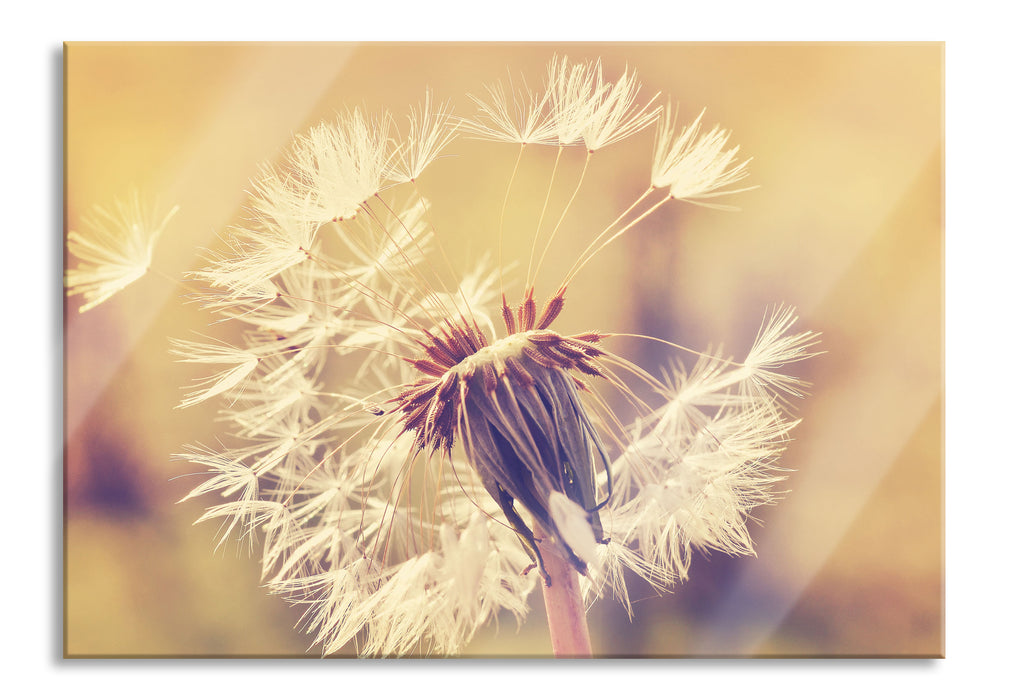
[569,632]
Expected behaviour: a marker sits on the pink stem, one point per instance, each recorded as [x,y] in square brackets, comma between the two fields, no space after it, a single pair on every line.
[569,632]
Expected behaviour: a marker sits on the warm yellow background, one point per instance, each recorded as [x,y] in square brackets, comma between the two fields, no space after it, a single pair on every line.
[847,225]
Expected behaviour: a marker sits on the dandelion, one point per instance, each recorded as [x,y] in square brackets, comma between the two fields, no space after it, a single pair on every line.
[115,249]
[417,451]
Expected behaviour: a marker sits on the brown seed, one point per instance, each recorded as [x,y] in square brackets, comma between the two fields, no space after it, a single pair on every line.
[489,379]
[518,372]
[428,367]
[509,317]
[444,353]
[552,309]
[527,312]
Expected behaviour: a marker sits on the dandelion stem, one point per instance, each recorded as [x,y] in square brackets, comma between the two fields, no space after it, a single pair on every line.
[543,211]
[584,260]
[569,632]
[504,206]
[581,179]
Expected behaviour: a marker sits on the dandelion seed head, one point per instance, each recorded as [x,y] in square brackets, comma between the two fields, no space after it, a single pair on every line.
[404,450]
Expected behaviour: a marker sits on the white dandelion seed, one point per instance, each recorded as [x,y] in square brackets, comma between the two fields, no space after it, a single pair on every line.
[575,97]
[335,168]
[260,252]
[520,117]
[431,130]
[695,166]
[115,249]
[589,110]
[239,365]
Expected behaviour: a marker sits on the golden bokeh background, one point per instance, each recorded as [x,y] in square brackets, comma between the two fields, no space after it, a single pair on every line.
[847,226]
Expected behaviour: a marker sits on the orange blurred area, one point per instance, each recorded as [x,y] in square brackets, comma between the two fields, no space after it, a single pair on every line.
[846,225]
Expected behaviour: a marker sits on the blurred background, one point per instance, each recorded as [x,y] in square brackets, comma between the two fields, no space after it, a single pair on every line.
[847,226]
